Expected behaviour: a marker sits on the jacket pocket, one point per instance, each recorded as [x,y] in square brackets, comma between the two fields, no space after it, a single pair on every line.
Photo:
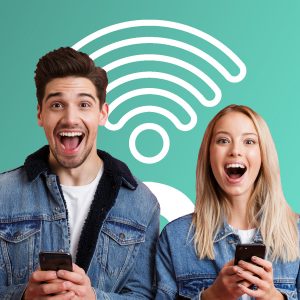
[121,241]
[19,250]
[191,285]
[286,286]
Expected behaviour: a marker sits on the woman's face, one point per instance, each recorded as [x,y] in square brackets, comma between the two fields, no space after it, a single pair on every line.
[235,155]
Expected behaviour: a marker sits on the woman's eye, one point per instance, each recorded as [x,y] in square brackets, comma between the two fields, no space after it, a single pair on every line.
[250,142]
[222,141]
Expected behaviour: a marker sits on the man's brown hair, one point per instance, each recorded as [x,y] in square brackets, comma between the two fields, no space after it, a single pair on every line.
[64,62]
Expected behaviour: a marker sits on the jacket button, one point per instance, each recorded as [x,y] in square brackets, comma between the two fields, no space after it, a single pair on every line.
[122,236]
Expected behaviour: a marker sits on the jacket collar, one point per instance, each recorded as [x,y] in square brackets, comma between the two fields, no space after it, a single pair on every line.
[227,230]
[37,164]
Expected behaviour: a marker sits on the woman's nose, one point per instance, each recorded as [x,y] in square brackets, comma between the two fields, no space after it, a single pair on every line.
[236,149]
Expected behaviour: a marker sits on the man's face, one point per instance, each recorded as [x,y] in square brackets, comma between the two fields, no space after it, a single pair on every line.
[70,115]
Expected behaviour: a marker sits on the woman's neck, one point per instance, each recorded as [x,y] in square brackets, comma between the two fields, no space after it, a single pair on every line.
[238,214]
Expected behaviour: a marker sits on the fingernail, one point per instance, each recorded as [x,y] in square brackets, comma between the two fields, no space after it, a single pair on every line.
[60,273]
[254,258]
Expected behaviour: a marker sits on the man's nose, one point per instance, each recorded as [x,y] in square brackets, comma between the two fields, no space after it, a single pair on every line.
[71,116]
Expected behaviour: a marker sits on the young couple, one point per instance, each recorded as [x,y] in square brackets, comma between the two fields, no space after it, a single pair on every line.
[70,197]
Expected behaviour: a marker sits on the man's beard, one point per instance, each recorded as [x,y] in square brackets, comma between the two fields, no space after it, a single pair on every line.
[71,163]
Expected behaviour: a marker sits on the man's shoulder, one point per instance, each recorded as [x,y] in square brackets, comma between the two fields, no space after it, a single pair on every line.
[139,199]
[12,174]
[144,190]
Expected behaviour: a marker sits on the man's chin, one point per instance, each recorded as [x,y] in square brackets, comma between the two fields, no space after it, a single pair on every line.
[68,162]
[71,163]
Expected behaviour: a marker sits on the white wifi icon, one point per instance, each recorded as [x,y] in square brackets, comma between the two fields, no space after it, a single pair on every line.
[116,45]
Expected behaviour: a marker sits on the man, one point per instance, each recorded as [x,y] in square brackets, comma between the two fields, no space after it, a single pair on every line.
[71,197]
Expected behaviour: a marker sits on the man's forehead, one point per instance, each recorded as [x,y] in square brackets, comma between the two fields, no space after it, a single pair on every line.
[70,86]
[71,83]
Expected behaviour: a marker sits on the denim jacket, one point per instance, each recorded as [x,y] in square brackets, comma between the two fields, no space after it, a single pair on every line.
[181,275]
[117,243]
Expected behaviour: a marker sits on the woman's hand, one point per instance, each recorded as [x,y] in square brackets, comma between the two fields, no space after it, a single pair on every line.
[227,285]
[263,279]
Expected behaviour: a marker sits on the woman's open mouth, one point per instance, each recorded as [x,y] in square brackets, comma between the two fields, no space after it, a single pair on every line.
[235,170]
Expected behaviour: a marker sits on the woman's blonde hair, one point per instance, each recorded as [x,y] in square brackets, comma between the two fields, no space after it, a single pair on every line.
[267,208]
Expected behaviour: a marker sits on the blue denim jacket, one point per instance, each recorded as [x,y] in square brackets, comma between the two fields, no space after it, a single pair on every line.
[181,275]
[117,242]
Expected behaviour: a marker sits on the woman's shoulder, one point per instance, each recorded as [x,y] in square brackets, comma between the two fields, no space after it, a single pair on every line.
[178,235]
[179,226]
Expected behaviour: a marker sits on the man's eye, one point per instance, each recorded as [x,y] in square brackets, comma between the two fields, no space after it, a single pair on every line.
[56,105]
[85,105]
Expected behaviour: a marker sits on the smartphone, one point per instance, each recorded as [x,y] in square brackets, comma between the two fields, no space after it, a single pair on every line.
[54,261]
[246,251]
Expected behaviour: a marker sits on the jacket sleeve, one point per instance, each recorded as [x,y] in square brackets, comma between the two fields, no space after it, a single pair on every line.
[166,285]
[13,292]
[292,295]
[137,286]
[298,285]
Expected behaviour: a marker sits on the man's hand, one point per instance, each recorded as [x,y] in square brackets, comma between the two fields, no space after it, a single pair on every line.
[44,285]
[78,283]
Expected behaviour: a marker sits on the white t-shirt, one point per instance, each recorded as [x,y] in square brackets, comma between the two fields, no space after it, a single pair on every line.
[246,237]
[78,200]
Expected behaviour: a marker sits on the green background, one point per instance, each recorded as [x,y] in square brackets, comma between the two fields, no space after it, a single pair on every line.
[264,34]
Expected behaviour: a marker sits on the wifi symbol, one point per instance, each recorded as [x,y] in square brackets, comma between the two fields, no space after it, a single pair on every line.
[114,35]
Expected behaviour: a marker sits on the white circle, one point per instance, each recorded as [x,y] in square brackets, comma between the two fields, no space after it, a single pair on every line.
[173,202]
[146,159]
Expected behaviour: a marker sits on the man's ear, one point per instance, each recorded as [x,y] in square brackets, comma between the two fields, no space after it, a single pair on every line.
[103,114]
[39,117]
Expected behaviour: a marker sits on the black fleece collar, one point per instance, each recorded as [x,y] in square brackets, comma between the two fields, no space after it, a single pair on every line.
[115,175]
[37,163]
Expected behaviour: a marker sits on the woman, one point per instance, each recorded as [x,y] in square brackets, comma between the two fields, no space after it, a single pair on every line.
[239,199]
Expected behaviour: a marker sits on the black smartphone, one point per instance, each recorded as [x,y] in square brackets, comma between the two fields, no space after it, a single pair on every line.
[54,261]
[246,251]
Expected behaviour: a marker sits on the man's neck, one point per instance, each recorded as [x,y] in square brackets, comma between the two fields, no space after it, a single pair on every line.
[82,175]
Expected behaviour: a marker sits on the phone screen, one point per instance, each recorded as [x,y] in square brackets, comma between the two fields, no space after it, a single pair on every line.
[246,251]
[55,261]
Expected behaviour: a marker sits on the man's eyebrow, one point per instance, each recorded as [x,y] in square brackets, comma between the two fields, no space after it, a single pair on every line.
[59,94]
[88,95]
[53,95]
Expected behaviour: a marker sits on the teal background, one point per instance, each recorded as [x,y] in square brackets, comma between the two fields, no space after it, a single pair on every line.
[264,34]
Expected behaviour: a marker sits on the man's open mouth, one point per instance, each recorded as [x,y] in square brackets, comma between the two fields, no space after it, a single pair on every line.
[235,170]
[70,140]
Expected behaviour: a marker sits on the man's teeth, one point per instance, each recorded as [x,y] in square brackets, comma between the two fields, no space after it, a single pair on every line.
[234,166]
[70,134]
